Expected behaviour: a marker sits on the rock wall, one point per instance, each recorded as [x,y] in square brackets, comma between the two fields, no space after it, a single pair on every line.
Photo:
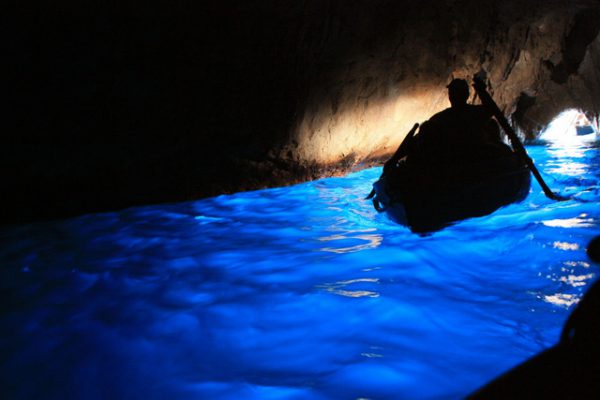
[541,57]
[142,103]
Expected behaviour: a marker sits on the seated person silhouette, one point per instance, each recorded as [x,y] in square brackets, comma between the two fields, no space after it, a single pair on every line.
[457,133]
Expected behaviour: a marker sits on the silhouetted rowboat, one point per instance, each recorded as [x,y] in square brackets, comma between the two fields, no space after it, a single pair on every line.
[583,126]
[583,130]
[428,198]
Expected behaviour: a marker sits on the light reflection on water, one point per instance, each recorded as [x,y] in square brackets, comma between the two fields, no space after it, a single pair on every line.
[578,222]
[342,288]
[301,292]
[360,237]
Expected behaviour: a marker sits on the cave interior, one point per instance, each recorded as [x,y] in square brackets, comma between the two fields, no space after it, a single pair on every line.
[150,104]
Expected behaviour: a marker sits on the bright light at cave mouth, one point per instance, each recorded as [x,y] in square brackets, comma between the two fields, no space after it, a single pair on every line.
[568,127]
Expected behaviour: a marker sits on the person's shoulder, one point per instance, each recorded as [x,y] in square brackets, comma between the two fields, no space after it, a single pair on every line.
[446,111]
[433,124]
[444,114]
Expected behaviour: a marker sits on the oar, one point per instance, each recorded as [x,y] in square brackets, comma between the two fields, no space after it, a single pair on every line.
[487,101]
[401,152]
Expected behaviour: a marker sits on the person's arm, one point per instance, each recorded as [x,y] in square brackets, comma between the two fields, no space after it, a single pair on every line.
[404,149]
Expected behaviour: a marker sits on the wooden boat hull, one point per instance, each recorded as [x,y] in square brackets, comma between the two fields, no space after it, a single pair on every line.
[428,199]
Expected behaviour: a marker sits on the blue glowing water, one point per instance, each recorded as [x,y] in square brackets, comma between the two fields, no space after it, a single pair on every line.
[303,292]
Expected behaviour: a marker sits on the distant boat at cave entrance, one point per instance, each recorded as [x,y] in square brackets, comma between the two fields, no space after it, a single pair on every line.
[429,198]
[583,126]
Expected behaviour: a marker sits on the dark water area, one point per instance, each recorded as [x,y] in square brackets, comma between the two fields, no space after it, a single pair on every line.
[302,292]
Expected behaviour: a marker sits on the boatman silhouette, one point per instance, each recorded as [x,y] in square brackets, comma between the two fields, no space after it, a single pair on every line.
[457,132]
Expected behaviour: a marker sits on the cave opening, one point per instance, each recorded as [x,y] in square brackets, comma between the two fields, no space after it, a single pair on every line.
[571,126]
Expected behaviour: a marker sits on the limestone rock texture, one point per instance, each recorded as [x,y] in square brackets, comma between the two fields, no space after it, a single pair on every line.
[142,103]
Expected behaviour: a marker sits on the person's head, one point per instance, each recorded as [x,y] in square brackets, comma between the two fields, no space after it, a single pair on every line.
[458,92]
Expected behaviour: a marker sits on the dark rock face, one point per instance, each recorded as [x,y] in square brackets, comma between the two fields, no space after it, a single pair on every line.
[142,104]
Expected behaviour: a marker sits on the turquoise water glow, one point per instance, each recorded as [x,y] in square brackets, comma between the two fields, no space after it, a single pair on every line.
[302,292]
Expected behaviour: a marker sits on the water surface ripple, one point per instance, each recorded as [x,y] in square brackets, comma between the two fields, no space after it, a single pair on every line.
[302,292]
